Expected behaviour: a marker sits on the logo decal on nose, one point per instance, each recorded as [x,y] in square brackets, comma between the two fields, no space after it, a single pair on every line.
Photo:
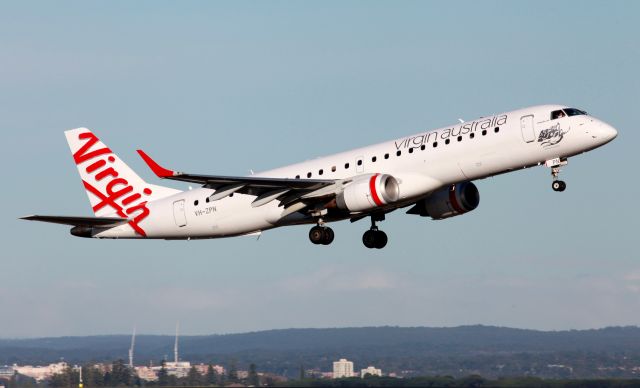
[551,136]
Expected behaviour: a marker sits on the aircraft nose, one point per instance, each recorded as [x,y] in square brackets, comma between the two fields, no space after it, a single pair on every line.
[607,132]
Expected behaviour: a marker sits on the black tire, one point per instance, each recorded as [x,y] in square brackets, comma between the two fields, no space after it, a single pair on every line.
[316,234]
[369,239]
[556,185]
[328,236]
[563,186]
[381,239]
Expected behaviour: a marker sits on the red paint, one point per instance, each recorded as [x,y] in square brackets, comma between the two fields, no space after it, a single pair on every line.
[374,192]
[81,155]
[155,167]
[454,200]
[115,188]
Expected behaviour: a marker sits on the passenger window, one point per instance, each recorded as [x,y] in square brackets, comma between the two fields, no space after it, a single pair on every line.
[206,200]
[386,156]
[398,153]
[472,135]
[333,168]
[346,165]
[297,176]
[359,162]
[484,132]
[195,203]
[557,114]
[320,172]
[411,150]
[374,159]
[496,130]
[422,147]
[459,138]
[435,144]
[447,141]
[308,175]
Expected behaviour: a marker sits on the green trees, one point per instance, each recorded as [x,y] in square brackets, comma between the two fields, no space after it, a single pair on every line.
[193,377]
[253,378]
[211,378]
[163,376]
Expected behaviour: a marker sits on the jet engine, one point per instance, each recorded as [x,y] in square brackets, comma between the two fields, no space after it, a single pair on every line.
[368,192]
[448,202]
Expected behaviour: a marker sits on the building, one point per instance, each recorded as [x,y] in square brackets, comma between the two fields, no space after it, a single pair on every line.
[6,372]
[146,373]
[40,373]
[204,368]
[370,371]
[342,368]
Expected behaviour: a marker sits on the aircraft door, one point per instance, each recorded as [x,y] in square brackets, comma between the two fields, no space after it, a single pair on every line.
[526,126]
[178,213]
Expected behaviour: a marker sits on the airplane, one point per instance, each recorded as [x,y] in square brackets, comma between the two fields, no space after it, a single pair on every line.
[431,172]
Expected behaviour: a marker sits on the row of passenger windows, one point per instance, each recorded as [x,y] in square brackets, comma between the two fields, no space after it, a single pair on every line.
[399,152]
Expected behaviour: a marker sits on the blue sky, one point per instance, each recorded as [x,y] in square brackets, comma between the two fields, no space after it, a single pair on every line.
[225,87]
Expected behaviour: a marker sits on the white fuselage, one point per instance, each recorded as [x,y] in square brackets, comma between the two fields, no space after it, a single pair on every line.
[421,163]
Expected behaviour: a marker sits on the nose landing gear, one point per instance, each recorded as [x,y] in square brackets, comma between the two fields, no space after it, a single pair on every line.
[375,238]
[555,164]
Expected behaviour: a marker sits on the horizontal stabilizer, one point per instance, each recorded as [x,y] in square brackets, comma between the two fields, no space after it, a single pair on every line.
[78,221]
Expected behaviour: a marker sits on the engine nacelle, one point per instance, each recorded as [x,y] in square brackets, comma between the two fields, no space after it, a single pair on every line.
[368,192]
[449,202]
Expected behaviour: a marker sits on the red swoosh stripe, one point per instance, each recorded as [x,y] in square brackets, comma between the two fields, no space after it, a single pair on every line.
[374,192]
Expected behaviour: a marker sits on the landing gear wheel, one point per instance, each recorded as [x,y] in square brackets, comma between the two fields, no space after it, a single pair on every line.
[374,238]
[369,239]
[381,239]
[316,234]
[558,186]
[321,235]
[328,236]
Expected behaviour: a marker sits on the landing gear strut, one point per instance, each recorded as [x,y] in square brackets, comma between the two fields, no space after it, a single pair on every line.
[375,238]
[555,164]
[321,234]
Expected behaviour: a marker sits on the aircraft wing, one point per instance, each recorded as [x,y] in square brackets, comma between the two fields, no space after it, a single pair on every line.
[78,221]
[286,190]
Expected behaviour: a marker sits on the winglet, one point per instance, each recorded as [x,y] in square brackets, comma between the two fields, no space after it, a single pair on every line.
[160,171]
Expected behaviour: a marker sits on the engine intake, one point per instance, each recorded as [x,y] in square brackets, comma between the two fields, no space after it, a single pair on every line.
[448,202]
[368,192]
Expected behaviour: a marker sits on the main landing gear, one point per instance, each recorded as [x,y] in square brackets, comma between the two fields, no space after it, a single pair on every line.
[555,164]
[375,238]
[321,234]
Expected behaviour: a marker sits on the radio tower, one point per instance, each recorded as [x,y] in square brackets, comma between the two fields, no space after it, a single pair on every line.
[133,344]
[175,347]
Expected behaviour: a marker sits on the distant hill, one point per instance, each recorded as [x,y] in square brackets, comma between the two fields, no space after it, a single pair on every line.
[491,350]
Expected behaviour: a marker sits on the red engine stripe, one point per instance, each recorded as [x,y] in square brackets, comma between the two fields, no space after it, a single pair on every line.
[454,201]
[374,192]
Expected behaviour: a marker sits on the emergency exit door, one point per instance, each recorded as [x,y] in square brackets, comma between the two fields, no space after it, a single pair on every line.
[526,126]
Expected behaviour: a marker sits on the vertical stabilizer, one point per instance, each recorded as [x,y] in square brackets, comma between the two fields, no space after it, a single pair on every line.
[113,188]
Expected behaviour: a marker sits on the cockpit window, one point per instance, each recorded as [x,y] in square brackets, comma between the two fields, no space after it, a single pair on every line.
[557,114]
[560,113]
[574,112]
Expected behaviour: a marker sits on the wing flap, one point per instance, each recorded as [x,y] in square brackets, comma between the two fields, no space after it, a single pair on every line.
[78,221]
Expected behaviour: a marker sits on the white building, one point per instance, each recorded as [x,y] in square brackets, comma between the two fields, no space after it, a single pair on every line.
[342,368]
[40,373]
[146,373]
[371,371]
